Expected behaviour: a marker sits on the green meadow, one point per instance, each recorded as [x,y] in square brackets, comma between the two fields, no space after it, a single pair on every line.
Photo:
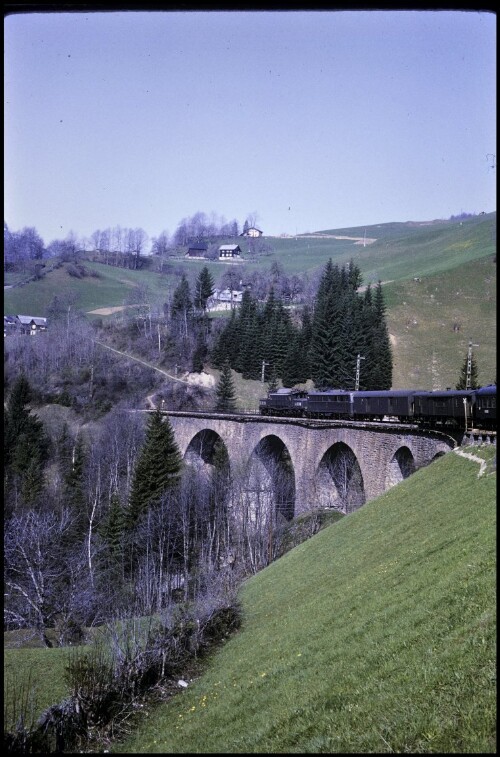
[378,634]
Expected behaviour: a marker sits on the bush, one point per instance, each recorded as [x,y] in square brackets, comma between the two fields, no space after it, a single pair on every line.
[120,667]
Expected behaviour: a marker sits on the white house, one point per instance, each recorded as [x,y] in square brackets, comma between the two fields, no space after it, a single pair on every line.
[224,299]
[252,231]
[229,252]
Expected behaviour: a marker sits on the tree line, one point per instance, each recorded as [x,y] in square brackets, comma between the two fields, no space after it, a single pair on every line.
[111,522]
[322,344]
[119,245]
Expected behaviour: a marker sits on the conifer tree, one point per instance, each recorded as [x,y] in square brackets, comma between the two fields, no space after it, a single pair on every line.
[379,356]
[74,476]
[462,381]
[158,466]
[204,289]
[20,421]
[225,392]
[324,355]
[248,359]
[26,445]
[181,301]
[227,345]
[199,354]
[182,307]
[294,371]
[267,319]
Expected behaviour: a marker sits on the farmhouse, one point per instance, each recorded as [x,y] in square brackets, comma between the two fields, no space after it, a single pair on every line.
[229,251]
[197,250]
[224,299]
[24,324]
[252,231]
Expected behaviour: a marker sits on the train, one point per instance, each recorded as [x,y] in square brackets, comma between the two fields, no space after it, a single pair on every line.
[457,408]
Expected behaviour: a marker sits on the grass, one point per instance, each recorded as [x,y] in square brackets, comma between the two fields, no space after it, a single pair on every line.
[376,635]
[427,352]
[39,672]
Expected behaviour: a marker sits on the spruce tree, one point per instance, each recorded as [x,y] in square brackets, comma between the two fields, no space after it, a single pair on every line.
[380,351]
[462,381]
[227,345]
[26,446]
[248,361]
[158,466]
[19,420]
[204,289]
[225,392]
[181,300]
[182,304]
[74,477]
[324,353]
[199,354]
[294,365]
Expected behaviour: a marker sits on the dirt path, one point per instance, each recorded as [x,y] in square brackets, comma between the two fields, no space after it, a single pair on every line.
[203,379]
[144,362]
[474,459]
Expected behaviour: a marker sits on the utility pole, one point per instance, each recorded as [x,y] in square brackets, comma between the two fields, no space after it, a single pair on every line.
[358,363]
[263,370]
[469,364]
[465,411]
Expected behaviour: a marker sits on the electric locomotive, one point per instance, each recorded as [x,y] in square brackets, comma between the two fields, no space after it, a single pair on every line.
[459,408]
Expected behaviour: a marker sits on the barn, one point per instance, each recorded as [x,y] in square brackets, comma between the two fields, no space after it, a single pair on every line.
[197,250]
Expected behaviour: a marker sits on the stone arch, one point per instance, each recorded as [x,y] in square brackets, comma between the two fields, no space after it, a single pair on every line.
[338,481]
[206,448]
[208,455]
[400,467]
[440,453]
[270,480]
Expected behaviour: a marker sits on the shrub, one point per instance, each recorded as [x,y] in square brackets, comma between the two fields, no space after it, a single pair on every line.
[120,667]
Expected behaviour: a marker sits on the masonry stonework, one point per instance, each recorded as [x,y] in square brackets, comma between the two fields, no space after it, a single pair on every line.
[377,451]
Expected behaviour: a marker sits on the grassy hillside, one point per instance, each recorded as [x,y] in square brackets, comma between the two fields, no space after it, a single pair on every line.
[376,635]
[428,353]
[401,250]
[455,261]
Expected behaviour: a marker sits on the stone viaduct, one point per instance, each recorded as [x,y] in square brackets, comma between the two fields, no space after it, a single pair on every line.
[326,463]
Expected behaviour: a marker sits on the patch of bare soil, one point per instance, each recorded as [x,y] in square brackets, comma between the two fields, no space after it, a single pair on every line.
[110,311]
[356,240]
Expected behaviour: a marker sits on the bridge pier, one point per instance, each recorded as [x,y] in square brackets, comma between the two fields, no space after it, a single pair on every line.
[362,460]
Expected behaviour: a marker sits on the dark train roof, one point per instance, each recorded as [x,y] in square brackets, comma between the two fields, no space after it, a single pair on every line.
[386,393]
[285,390]
[445,393]
[331,391]
[490,389]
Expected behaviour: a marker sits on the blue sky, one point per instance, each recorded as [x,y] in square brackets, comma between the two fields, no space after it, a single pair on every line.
[305,120]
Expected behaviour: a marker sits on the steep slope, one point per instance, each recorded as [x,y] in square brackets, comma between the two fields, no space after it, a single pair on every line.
[376,635]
